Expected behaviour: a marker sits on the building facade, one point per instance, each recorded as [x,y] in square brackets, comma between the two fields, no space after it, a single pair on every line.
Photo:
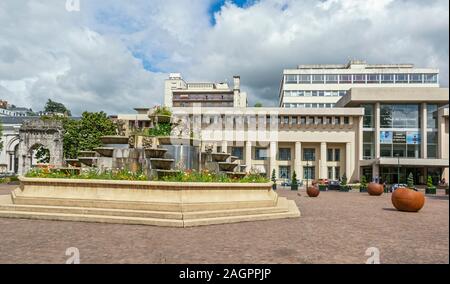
[322,85]
[179,93]
[373,132]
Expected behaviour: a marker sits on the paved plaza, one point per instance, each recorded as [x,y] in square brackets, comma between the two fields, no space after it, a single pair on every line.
[334,228]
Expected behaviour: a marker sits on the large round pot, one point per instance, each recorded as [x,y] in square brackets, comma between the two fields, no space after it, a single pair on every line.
[375,189]
[408,200]
[312,191]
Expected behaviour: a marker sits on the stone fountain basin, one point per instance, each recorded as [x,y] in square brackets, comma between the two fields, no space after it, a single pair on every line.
[160,118]
[161,164]
[167,140]
[82,154]
[88,161]
[114,140]
[155,153]
[220,157]
[227,167]
[236,174]
[234,158]
[73,162]
[105,151]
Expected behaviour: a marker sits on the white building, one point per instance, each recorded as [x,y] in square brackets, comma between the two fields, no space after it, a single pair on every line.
[322,85]
[179,93]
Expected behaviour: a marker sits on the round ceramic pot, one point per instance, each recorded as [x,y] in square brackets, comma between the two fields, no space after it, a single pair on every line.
[375,189]
[312,191]
[408,200]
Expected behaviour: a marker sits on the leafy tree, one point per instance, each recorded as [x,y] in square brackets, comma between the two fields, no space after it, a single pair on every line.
[258,104]
[55,107]
[430,182]
[274,177]
[344,179]
[42,155]
[363,181]
[294,178]
[410,181]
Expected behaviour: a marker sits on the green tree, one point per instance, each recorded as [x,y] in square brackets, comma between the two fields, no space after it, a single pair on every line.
[274,177]
[55,107]
[294,179]
[258,104]
[42,155]
[410,181]
[363,182]
[430,182]
[344,179]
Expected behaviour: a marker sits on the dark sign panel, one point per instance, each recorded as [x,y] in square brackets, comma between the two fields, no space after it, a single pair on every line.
[399,137]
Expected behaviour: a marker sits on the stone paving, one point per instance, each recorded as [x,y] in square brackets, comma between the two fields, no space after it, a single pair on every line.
[334,228]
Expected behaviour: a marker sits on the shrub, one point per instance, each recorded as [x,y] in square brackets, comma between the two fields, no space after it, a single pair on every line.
[344,179]
[160,129]
[430,182]
[274,177]
[294,179]
[207,176]
[161,110]
[117,174]
[410,181]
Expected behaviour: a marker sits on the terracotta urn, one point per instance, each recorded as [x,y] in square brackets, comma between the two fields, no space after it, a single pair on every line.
[375,189]
[312,191]
[408,200]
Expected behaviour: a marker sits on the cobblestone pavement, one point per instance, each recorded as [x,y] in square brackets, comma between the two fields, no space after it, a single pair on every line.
[334,228]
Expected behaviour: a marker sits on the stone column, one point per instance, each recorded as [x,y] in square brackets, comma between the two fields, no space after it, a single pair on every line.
[224,146]
[377,130]
[423,131]
[298,160]
[248,156]
[323,160]
[348,160]
[272,156]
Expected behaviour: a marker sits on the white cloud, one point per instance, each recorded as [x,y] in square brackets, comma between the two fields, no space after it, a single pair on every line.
[87,59]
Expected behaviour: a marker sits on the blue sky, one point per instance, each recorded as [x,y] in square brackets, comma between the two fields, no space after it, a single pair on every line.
[217,5]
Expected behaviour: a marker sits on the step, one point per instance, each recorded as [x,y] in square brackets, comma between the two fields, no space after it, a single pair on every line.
[92,218]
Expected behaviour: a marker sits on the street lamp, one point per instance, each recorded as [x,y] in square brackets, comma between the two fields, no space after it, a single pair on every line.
[398,168]
[307,172]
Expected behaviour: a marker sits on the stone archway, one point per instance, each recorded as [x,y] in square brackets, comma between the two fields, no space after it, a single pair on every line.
[48,133]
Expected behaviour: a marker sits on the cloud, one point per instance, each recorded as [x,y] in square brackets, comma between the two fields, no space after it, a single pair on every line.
[114,55]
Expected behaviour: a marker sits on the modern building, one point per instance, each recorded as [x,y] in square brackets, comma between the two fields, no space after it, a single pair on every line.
[179,93]
[375,132]
[322,85]
[13,111]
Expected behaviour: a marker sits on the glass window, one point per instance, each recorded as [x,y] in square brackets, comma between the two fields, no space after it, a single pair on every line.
[291,79]
[330,155]
[346,120]
[309,172]
[294,120]
[331,79]
[359,78]
[373,78]
[386,150]
[337,155]
[432,116]
[430,78]
[368,121]
[309,154]
[337,120]
[413,151]
[319,120]
[328,120]
[337,172]
[302,120]
[307,93]
[321,93]
[318,79]
[345,79]
[284,172]
[415,78]
[432,144]
[399,116]
[401,78]
[310,120]
[342,93]
[399,149]
[261,154]
[284,154]
[330,173]
[314,93]
[304,79]
[387,78]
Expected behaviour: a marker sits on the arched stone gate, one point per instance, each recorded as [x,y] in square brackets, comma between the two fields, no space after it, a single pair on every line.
[48,133]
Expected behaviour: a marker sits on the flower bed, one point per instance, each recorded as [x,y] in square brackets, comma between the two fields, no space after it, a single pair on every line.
[206,176]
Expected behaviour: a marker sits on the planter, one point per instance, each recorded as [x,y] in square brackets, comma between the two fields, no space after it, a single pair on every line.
[408,200]
[170,140]
[155,153]
[274,186]
[430,190]
[322,187]
[313,191]
[375,189]
[294,186]
[114,140]
[344,188]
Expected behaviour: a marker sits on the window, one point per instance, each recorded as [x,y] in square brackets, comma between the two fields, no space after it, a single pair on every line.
[359,78]
[309,172]
[314,93]
[330,173]
[373,78]
[261,154]
[238,152]
[337,120]
[319,120]
[368,116]
[337,172]
[387,78]
[321,93]
[330,155]
[284,172]
[401,78]
[415,78]
[294,120]
[432,116]
[304,79]
[386,150]
[399,116]
[432,145]
[309,154]
[342,93]
[291,79]
[345,79]
[310,120]
[328,119]
[331,79]
[430,78]
[302,120]
[337,155]
[284,154]
[317,79]
[346,120]
[368,145]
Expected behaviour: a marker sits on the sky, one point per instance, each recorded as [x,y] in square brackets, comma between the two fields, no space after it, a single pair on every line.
[114,55]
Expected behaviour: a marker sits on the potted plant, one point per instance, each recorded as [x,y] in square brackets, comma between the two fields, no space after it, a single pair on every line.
[322,186]
[294,183]
[363,184]
[430,189]
[408,199]
[274,180]
[344,187]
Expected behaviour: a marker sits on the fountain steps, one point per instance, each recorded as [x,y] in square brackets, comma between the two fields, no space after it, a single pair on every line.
[283,209]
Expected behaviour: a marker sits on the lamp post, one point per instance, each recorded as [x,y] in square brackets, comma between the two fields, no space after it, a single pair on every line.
[307,172]
[398,168]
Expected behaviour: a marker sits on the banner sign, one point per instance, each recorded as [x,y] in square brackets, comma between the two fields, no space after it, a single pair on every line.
[386,137]
[413,137]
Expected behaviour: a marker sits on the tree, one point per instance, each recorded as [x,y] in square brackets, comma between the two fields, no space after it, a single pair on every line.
[294,179]
[84,134]
[410,181]
[42,155]
[344,179]
[274,177]
[55,107]
[430,182]
[258,104]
